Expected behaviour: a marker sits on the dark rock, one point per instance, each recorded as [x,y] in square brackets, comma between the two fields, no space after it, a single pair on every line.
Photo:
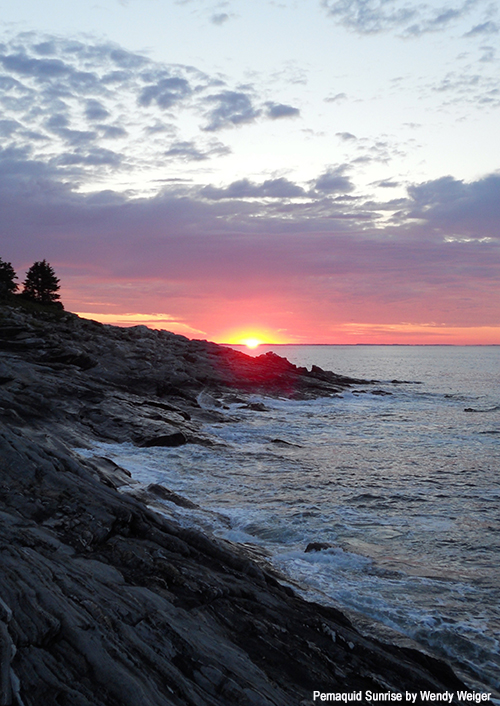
[285,443]
[70,357]
[481,411]
[256,406]
[110,473]
[317,547]
[165,494]
[175,439]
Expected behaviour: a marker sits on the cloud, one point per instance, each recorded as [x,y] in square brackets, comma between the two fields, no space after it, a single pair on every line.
[8,127]
[189,250]
[93,157]
[388,184]
[485,28]
[188,151]
[59,125]
[45,48]
[470,87]
[346,136]
[231,108]
[60,96]
[112,132]
[457,208]
[219,18]
[319,244]
[166,92]
[94,110]
[271,188]
[337,98]
[42,69]
[279,110]
[334,181]
[408,19]
[155,321]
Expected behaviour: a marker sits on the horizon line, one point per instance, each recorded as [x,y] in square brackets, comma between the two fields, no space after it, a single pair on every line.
[450,345]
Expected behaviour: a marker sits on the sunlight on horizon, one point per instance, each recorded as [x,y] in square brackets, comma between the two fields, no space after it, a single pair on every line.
[252,342]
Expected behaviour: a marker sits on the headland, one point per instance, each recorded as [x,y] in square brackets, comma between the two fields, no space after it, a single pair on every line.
[105,602]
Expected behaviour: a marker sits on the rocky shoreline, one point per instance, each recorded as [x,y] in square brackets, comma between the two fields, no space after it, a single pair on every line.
[104,602]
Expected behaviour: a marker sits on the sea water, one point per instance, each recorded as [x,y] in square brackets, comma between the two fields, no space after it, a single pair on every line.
[404,488]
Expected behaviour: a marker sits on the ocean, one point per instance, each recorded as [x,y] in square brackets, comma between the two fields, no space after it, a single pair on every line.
[400,478]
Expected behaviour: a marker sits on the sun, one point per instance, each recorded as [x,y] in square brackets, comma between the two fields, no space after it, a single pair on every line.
[252,337]
[251,342]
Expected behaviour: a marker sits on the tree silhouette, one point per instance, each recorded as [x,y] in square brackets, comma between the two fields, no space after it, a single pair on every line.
[41,284]
[7,277]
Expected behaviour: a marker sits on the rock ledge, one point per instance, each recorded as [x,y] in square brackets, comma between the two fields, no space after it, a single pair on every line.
[103,602]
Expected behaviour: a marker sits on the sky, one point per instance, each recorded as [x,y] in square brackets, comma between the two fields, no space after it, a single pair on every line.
[305,172]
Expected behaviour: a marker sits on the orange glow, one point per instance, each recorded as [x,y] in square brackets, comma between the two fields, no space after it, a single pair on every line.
[250,337]
[155,321]
[252,342]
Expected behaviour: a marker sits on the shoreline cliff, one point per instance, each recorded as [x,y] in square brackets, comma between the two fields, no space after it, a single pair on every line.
[104,602]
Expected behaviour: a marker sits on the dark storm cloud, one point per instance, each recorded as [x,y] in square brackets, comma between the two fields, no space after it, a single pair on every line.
[280,110]
[408,19]
[230,108]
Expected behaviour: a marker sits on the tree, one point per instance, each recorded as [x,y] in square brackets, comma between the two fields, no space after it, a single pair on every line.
[41,283]
[7,277]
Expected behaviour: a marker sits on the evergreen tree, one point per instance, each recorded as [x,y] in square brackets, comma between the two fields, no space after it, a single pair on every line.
[7,277]
[41,283]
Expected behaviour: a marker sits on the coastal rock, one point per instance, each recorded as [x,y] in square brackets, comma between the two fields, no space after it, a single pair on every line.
[282,442]
[175,439]
[113,604]
[317,547]
[256,406]
[104,602]
[161,492]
